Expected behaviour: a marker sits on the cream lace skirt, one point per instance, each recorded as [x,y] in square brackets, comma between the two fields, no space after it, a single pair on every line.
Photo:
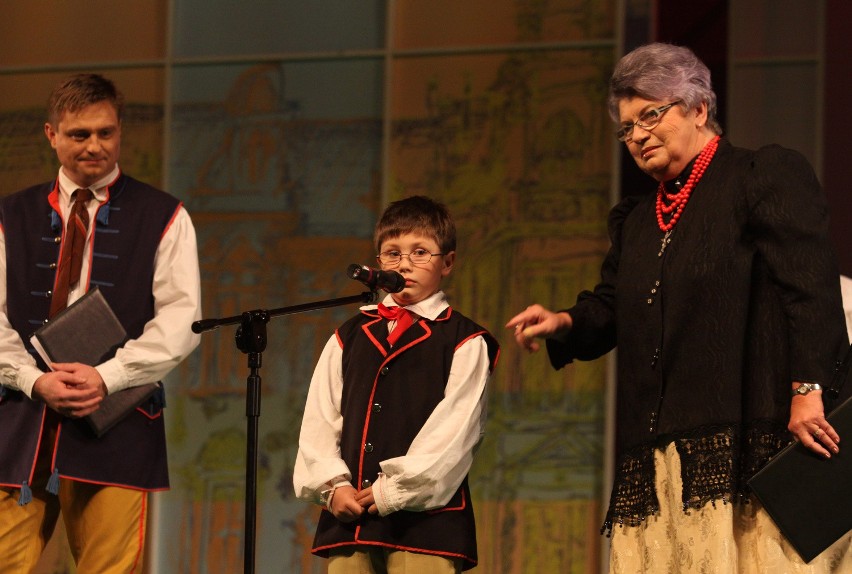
[720,539]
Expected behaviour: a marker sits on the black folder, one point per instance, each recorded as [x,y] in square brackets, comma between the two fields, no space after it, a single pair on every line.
[88,332]
[810,497]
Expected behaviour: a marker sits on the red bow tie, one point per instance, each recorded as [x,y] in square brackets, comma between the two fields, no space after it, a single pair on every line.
[403,319]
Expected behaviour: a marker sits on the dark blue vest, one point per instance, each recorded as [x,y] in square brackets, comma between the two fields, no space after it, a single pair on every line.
[408,382]
[128,230]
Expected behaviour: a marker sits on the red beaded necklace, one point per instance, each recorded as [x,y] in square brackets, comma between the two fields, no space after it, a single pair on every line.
[677,201]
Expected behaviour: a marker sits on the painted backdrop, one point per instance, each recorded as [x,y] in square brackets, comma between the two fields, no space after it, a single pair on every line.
[494,107]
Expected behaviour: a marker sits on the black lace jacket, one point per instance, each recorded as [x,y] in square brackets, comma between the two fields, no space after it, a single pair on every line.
[711,332]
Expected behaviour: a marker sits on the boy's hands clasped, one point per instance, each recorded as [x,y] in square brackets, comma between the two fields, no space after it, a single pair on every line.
[348,504]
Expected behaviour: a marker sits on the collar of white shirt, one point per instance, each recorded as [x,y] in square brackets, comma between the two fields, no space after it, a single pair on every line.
[431,307]
[67,187]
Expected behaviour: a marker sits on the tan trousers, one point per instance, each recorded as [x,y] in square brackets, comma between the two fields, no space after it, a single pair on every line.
[378,560]
[725,539]
[105,524]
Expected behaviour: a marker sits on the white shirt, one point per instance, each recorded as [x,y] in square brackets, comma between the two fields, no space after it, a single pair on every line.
[167,338]
[441,454]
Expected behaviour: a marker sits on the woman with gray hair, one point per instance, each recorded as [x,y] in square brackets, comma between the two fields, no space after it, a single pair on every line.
[720,292]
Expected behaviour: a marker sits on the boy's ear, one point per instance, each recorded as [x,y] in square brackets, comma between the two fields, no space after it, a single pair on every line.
[449,259]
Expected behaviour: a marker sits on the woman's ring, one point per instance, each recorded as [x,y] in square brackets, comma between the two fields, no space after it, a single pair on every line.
[817,433]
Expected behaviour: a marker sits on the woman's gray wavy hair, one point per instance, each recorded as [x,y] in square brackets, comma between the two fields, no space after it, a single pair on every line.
[663,72]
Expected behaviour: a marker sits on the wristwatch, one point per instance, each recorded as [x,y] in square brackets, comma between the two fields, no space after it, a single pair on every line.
[805,388]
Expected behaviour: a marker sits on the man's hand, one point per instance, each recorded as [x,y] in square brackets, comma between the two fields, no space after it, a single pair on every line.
[71,389]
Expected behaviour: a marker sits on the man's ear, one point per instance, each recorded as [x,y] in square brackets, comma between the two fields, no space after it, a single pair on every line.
[50,133]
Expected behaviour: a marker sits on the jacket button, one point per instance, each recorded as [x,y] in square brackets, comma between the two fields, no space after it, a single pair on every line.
[368,447]
[57,239]
[385,370]
[52,266]
[377,408]
[366,483]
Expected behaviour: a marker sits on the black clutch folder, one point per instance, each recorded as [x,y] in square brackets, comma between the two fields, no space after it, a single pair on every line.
[809,497]
[88,332]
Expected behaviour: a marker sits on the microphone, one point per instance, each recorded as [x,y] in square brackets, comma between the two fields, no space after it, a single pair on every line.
[390,281]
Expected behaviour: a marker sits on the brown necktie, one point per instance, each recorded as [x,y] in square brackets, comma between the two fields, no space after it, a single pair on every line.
[71,255]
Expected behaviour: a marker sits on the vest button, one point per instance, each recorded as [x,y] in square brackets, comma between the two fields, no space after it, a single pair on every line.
[385,370]
[57,239]
[52,266]
[366,483]
[377,408]
[368,447]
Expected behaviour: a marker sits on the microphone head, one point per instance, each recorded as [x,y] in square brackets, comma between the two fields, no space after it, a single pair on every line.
[395,282]
[354,271]
[389,281]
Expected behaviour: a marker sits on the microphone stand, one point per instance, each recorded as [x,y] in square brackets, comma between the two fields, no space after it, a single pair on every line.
[251,340]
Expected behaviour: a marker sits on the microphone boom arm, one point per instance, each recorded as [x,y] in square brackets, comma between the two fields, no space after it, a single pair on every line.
[366,297]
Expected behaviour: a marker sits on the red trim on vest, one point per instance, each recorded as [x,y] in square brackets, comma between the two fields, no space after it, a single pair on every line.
[148,415]
[427,333]
[38,446]
[53,200]
[171,220]
[388,358]
[378,344]
[482,333]
[364,434]
[31,474]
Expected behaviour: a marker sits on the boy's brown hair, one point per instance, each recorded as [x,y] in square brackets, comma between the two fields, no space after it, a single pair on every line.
[80,91]
[417,214]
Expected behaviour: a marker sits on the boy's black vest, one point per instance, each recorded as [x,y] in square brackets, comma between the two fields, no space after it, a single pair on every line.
[128,229]
[388,394]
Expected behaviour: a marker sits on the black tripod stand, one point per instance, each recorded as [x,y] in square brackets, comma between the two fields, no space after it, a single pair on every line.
[251,340]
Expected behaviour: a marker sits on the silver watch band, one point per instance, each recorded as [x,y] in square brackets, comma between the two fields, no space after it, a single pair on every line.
[805,388]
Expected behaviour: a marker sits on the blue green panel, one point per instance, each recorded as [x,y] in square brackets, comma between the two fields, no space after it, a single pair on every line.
[227,28]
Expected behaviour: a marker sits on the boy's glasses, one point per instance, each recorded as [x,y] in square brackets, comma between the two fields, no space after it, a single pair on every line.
[417,257]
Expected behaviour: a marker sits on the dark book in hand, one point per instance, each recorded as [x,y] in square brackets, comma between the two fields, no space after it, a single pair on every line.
[88,332]
[806,495]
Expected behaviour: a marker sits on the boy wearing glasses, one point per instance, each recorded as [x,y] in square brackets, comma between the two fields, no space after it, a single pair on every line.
[395,410]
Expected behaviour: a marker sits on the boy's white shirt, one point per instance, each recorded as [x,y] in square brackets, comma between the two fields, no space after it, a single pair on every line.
[441,454]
